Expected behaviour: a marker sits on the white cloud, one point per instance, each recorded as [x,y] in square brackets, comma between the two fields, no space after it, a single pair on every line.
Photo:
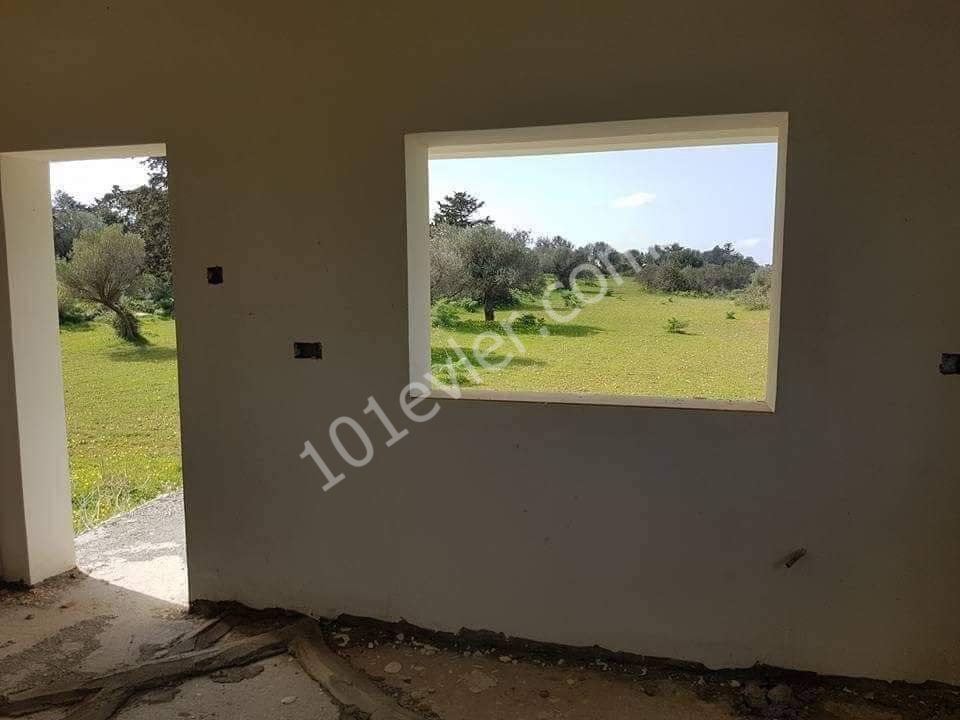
[635,200]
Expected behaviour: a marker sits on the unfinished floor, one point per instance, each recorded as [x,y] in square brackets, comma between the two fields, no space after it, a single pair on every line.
[127,603]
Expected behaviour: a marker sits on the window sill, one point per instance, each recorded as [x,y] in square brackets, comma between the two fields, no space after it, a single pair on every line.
[547,398]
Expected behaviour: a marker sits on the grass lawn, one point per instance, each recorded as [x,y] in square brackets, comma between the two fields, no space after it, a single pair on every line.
[620,346]
[123,418]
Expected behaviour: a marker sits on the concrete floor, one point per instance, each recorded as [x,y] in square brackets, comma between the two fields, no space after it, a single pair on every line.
[129,595]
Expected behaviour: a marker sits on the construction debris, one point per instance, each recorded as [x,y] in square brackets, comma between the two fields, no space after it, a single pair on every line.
[102,697]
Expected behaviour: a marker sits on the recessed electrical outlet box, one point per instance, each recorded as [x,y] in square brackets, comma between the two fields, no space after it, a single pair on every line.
[950,364]
[215,275]
[307,351]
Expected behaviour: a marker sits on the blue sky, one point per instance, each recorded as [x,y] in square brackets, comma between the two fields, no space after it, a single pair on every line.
[696,196]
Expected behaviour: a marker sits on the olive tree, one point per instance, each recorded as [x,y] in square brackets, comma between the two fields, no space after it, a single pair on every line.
[482,263]
[104,266]
[560,258]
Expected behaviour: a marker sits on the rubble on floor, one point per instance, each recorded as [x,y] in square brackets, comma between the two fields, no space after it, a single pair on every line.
[486,676]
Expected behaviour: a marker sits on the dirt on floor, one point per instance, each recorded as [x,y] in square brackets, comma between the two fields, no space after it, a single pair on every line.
[75,627]
[483,676]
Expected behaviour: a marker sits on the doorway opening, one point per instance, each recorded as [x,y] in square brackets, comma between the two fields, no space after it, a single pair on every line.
[88,261]
[116,313]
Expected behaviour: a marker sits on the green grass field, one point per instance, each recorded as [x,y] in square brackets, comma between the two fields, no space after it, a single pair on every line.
[620,346]
[123,418]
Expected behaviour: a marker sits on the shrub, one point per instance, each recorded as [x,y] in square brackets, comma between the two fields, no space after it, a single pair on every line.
[528,322]
[731,315]
[140,304]
[445,313]
[756,296]
[468,304]
[69,311]
[676,325]
[570,299]
[448,368]
[165,306]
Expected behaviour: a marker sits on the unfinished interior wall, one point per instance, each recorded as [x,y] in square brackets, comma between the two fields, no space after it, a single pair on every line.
[651,530]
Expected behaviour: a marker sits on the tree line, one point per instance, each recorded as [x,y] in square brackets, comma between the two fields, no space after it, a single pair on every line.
[472,260]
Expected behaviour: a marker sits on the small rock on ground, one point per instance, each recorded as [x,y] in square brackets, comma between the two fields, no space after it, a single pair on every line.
[478,681]
[780,693]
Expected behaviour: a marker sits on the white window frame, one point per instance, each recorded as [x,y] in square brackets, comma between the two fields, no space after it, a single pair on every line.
[420,148]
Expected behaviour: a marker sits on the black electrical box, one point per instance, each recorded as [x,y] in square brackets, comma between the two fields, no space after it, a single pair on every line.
[950,364]
[307,351]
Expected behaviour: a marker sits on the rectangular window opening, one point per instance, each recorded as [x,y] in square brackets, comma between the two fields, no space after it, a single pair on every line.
[624,263]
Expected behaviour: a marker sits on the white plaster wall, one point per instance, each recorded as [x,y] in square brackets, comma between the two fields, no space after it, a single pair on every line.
[649,530]
[36,534]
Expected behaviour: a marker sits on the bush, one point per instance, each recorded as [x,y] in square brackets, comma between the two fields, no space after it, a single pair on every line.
[528,322]
[448,368]
[570,299]
[677,326]
[756,296]
[69,311]
[140,304]
[445,313]
[468,304]
[731,315]
[164,306]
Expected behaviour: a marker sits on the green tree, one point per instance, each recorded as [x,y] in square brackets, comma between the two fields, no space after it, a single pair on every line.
[482,263]
[458,210]
[70,218]
[145,211]
[674,268]
[602,256]
[104,266]
[560,258]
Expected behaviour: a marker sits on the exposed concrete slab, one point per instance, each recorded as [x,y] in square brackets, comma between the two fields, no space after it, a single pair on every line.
[128,591]
[282,691]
